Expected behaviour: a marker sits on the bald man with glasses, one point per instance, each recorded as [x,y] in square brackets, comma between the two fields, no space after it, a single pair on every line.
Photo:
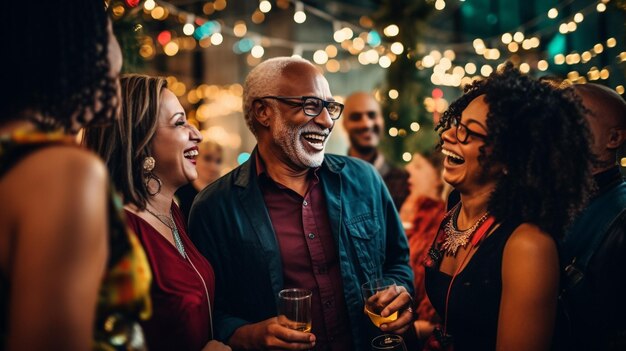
[295,217]
[364,124]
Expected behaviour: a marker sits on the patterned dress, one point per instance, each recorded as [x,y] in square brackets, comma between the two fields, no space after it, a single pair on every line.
[124,294]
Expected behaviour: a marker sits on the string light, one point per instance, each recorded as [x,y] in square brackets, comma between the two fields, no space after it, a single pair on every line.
[265,6]
[391,30]
[368,48]
[299,16]
[552,13]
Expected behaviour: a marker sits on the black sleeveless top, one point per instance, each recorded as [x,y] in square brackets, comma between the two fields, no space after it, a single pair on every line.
[474,301]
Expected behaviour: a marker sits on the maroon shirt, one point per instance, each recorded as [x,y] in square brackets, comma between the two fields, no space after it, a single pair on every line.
[309,255]
[180,311]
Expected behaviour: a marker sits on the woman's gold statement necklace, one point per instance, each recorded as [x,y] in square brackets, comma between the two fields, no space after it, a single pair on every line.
[456,238]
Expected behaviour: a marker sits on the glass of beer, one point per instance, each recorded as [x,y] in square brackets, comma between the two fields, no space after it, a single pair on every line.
[294,309]
[377,294]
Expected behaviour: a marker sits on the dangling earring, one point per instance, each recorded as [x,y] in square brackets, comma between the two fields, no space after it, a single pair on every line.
[148,166]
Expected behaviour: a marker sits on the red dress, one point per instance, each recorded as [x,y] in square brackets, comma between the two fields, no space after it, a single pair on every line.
[181,319]
[428,215]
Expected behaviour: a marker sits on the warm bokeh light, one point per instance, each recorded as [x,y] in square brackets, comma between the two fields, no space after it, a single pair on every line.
[391,30]
[188,29]
[219,5]
[428,61]
[524,67]
[407,156]
[611,42]
[333,66]
[265,6]
[486,70]
[552,13]
[158,13]
[604,74]
[240,29]
[470,68]
[384,61]
[258,17]
[171,48]
[559,59]
[598,48]
[299,17]
[320,57]
[393,94]
[579,17]
[507,38]
[257,51]
[217,39]
[149,5]
[397,48]
[542,65]
[331,51]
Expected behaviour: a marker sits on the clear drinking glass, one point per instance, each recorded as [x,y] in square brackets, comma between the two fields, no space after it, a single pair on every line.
[294,309]
[388,342]
[377,294]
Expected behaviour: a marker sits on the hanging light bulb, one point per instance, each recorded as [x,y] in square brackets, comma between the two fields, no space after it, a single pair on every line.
[299,16]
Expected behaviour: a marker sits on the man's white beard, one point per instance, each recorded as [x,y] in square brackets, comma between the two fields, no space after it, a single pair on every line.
[289,139]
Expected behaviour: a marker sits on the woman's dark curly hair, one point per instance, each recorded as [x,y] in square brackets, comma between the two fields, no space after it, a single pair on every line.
[57,69]
[539,135]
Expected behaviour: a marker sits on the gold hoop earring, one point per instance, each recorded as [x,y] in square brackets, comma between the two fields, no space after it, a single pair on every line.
[148,166]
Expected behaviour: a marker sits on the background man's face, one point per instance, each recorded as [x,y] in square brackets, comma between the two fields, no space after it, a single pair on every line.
[363,121]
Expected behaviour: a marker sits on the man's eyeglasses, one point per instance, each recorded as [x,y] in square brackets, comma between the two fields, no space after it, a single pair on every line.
[311,105]
[463,132]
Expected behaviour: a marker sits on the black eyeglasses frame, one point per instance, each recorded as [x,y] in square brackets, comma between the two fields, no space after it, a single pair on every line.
[288,100]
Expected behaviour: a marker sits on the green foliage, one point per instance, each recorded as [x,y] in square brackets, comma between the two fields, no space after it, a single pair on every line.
[410,16]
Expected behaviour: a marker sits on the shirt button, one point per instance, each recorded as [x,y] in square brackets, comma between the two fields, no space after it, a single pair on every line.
[328,304]
[305,203]
[311,236]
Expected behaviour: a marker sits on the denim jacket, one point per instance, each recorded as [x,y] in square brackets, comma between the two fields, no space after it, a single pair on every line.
[230,225]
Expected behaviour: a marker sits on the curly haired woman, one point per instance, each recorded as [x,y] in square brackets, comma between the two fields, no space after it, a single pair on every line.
[517,151]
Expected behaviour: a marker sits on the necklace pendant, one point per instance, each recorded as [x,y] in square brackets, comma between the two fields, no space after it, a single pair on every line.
[452,243]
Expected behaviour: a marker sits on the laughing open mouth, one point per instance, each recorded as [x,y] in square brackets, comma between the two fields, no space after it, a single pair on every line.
[315,139]
[452,157]
[191,153]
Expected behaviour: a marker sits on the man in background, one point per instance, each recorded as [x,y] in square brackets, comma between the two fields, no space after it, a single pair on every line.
[594,250]
[363,121]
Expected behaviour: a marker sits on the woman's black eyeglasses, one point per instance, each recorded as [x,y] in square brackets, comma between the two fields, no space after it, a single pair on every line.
[311,105]
[463,132]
